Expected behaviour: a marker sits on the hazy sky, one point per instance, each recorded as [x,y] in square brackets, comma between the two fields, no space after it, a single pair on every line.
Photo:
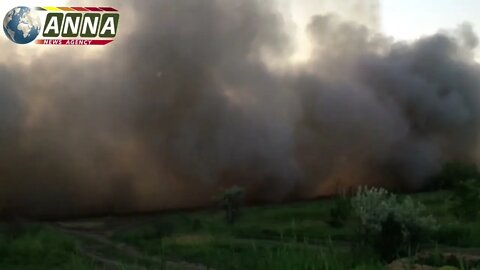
[400,19]
[409,19]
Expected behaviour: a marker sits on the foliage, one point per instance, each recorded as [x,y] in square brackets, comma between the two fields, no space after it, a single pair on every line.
[340,212]
[452,234]
[390,224]
[230,201]
[453,173]
[228,253]
[36,247]
[466,199]
[287,236]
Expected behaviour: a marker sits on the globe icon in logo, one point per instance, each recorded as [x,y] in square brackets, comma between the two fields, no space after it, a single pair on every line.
[22,25]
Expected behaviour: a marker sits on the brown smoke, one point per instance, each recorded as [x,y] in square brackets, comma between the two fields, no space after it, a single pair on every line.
[182,104]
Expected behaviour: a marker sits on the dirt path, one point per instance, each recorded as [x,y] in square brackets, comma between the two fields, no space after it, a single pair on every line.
[97,238]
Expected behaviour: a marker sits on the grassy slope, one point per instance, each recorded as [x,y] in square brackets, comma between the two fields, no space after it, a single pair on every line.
[263,237]
[283,237]
[39,247]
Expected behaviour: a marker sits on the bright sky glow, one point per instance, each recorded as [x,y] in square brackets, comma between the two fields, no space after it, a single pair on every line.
[400,19]
[410,19]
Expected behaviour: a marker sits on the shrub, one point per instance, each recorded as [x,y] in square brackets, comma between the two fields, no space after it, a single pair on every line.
[390,224]
[466,199]
[454,234]
[453,173]
[340,212]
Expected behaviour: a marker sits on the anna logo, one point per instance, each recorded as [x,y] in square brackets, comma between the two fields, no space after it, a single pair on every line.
[62,25]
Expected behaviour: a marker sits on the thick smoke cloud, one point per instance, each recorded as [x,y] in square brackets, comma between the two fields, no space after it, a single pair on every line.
[186,102]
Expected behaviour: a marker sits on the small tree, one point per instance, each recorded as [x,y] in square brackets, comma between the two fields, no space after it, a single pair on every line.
[230,201]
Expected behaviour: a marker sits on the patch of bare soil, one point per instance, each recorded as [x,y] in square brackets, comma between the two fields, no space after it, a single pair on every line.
[442,258]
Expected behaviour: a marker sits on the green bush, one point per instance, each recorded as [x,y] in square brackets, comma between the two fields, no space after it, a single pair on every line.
[452,234]
[393,226]
[453,173]
[466,199]
[340,212]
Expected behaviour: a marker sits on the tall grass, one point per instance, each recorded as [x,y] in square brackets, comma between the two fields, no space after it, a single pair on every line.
[235,254]
[37,247]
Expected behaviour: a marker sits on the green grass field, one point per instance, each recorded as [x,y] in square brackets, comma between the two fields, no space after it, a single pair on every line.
[283,237]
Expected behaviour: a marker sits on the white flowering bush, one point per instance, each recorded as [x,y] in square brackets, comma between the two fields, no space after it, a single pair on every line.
[372,206]
[389,221]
